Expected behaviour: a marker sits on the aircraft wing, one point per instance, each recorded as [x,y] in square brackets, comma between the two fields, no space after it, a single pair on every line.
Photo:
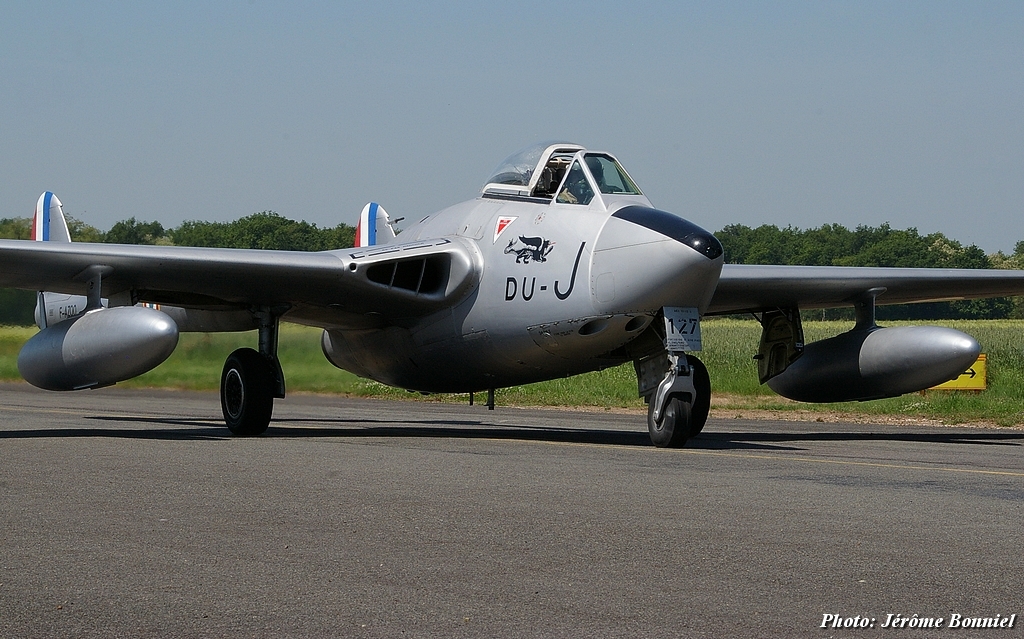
[749,288]
[394,281]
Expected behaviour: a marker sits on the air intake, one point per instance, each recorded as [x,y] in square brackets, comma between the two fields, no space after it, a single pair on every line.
[425,275]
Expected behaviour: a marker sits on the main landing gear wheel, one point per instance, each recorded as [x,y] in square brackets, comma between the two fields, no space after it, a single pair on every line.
[682,419]
[247,392]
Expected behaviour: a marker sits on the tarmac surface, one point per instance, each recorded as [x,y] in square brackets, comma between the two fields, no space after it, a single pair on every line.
[127,513]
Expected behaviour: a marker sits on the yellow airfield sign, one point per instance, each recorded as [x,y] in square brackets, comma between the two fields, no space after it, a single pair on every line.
[974,378]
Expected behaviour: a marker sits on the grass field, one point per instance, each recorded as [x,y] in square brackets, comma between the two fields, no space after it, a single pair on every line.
[728,348]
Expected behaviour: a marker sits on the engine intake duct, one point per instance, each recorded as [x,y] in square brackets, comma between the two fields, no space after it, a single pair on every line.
[872,363]
[424,275]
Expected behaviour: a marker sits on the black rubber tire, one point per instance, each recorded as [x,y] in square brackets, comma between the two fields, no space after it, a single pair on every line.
[702,403]
[247,392]
[672,430]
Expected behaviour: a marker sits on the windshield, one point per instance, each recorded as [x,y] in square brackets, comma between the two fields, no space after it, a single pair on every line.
[609,175]
[576,189]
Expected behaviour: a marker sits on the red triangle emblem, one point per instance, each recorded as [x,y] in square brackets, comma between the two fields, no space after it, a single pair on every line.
[503,223]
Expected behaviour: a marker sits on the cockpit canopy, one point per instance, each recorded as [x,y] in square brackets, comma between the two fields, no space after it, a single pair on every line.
[560,171]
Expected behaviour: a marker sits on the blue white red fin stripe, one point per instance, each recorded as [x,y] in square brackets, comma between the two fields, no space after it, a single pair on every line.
[372,224]
[47,199]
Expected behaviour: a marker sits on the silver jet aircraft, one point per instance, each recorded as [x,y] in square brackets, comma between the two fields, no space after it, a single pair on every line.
[560,266]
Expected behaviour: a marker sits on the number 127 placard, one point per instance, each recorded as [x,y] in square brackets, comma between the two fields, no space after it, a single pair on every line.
[682,328]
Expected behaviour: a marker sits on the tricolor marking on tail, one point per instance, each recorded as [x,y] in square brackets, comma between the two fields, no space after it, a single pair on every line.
[374,226]
[48,224]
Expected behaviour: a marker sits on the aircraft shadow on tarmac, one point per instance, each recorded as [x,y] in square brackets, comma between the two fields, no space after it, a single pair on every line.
[160,428]
[713,440]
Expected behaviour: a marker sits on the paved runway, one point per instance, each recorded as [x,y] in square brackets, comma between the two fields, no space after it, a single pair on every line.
[133,514]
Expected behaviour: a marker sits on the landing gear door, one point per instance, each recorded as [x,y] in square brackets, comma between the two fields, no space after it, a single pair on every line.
[782,341]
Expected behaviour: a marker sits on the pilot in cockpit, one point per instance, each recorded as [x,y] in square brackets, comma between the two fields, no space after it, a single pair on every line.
[597,170]
[577,190]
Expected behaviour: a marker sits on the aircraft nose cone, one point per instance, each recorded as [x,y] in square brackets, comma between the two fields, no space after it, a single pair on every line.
[674,227]
[645,259]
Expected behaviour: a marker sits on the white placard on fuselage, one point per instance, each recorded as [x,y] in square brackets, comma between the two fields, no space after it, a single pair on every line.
[682,328]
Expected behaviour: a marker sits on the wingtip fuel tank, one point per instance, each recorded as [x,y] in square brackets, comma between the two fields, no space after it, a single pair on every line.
[876,363]
[98,348]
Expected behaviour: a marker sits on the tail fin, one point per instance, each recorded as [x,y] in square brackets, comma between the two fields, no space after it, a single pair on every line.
[48,224]
[374,226]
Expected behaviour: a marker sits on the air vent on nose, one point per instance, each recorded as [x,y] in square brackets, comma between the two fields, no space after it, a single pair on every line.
[593,327]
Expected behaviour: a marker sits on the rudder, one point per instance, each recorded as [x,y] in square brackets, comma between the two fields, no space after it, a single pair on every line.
[374,226]
[48,223]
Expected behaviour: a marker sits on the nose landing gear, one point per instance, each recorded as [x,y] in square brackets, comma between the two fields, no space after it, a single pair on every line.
[678,408]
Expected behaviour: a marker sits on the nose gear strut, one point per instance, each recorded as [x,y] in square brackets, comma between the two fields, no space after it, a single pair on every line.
[677,389]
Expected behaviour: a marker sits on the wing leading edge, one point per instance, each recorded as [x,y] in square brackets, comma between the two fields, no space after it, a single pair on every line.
[753,288]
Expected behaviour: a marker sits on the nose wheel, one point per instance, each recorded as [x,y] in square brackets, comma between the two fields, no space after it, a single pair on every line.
[679,408]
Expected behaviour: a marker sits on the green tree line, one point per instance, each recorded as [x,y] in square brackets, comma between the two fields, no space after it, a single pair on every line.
[836,245]
[263,230]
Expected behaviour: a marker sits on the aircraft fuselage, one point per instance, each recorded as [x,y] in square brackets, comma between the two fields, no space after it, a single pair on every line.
[558,293]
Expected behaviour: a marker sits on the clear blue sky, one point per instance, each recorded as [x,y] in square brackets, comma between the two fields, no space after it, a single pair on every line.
[784,113]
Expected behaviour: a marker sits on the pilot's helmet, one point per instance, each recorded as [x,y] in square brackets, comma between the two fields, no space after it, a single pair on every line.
[596,168]
[544,182]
